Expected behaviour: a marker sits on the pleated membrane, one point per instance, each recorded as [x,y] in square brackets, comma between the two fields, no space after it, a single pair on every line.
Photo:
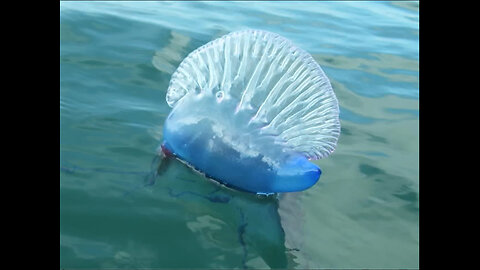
[283,90]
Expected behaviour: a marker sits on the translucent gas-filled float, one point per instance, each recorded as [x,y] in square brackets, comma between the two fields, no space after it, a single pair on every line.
[250,110]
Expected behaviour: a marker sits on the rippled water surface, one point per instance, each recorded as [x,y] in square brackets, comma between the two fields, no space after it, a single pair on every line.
[116,59]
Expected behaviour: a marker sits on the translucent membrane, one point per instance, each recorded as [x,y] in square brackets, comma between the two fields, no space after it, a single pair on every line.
[262,85]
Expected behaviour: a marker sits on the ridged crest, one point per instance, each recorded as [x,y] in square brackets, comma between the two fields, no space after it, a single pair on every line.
[284,89]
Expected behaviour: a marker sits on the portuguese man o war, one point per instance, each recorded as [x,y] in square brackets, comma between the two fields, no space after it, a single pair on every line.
[250,110]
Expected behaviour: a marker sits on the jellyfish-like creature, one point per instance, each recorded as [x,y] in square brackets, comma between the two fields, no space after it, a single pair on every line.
[250,110]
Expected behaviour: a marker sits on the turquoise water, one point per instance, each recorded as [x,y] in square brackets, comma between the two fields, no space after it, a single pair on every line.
[116,59]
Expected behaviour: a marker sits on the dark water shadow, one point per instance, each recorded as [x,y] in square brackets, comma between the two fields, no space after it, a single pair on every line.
[257,219]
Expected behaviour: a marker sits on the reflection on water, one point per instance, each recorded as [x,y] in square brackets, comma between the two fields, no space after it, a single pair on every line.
[116,59]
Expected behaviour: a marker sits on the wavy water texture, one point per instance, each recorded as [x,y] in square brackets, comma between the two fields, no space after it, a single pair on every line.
[116,60]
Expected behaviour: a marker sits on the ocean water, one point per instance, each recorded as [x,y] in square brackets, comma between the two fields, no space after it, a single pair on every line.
[116,59]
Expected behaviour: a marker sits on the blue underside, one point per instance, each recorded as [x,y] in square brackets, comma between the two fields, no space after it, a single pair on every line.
[224,164]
